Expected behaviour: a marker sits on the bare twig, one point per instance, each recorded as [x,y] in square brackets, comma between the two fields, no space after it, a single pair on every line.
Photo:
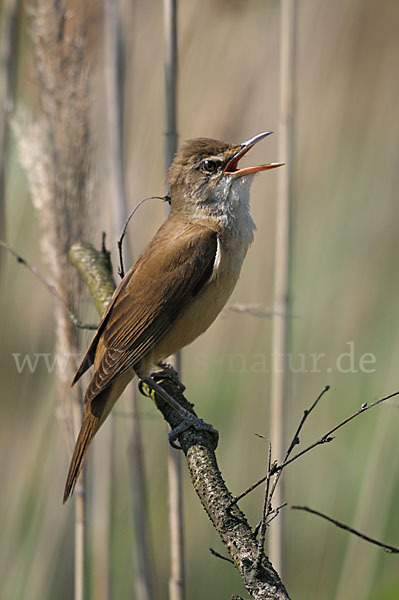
[121,269]
[327,437]
[386,547]
[266,501]
[214,553]
[295,439]
[52,289]
[323,440]
[275,512]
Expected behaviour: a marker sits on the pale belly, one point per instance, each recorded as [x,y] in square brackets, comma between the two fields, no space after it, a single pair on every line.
[196,319]
[200,313]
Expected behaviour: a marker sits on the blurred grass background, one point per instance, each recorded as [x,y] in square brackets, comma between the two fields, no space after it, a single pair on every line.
[345,289]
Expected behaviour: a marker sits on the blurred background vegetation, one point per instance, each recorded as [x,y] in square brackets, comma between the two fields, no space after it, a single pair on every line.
[345,290]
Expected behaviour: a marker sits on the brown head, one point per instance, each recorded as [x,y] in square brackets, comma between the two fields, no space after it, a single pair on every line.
[205,179]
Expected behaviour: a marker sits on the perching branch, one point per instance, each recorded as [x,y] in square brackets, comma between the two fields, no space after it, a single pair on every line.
[198,447]
[258,575]
[94,268]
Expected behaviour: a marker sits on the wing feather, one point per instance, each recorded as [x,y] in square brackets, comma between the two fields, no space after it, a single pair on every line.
[168,275]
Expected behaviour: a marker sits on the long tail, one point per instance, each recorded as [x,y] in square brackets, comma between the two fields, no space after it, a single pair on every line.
[90,425]
[97,410]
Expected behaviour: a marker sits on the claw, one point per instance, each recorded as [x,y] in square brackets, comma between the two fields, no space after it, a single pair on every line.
[167,371]
[144,388]
[196,423]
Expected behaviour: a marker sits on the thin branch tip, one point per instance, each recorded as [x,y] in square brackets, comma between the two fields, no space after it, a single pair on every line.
[51,288]
[217,555]
[326,438]
[386,547]
[121,269]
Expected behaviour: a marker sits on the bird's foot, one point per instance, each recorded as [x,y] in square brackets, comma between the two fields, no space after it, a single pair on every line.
[188,419]
[167,371]
[195,423]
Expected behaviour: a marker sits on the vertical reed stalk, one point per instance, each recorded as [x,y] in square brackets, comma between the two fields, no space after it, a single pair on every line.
[170,71]
[56,154]
[8,61]
[114,99]
[282,266]
[80,539]
[176,517]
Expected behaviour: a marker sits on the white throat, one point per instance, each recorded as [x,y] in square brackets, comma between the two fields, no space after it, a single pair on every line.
[230,205]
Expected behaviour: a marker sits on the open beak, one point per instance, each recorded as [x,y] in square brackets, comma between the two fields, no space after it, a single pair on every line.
[232,166]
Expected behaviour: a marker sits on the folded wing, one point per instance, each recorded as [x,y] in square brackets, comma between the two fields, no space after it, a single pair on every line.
[166,278]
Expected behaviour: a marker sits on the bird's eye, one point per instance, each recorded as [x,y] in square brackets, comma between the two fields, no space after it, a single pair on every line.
[209,166]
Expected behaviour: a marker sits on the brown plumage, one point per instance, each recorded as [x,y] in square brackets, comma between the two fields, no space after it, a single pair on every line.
[178,285]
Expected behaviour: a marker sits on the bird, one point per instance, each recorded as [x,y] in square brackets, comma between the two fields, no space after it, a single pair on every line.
[179,284]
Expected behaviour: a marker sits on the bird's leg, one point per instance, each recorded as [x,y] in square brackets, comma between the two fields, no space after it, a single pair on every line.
[189,419]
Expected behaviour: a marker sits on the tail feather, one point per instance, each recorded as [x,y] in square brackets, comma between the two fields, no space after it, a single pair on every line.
[97,410]
[89,427]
